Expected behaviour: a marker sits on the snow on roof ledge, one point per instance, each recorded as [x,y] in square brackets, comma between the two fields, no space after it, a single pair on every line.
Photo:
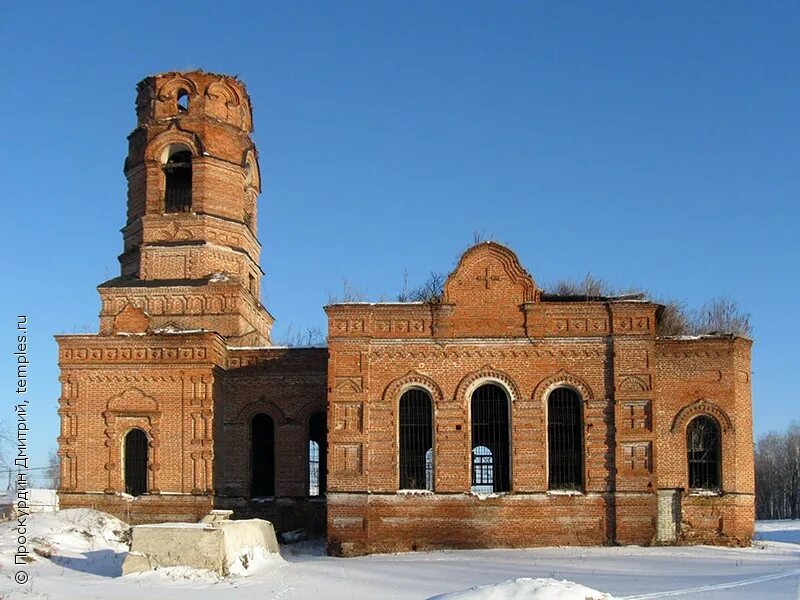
[277,347]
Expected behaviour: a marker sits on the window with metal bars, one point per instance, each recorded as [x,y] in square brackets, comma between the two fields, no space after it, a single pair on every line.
[262,456]
[136,462]
[490,440]
[178,190]
[564,440]
[416,440]
[704,455]
[317,454]
[313,468]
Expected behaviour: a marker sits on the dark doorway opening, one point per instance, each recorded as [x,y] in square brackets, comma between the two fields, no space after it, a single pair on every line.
[262,456]
[136,462]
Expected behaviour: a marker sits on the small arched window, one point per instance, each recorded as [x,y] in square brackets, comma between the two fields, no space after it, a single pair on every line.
[317,454]
[183,101]
[490,440]
[136,462]
[416,440]
[564,440]
[178,186]
[262,456]
[704,455]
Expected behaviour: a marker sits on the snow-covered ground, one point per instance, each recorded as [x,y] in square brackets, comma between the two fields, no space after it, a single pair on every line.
[79,556]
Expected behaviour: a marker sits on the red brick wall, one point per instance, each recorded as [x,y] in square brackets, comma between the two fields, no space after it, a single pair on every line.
[494,326]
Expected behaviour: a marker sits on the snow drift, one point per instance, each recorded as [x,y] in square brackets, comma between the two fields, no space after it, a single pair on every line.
[526,588]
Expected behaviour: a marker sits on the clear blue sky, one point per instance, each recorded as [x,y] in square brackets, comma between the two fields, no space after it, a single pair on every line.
[651,144]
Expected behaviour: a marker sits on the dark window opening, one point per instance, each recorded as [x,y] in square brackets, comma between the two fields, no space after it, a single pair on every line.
[136,462]
[317,454]
[704,456]
[564,440]
[262,456]
[178,172]
[183,101]
[490,440]
[416,441]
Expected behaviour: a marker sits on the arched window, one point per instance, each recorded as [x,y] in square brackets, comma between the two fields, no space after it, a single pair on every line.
[262,456]
[317,454]
[136,462]
[178,190]
[490,437]
[564,440]
[704,456]
[416,440]
[183,101]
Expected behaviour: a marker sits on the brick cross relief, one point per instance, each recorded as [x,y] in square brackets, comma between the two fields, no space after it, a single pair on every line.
[488,278]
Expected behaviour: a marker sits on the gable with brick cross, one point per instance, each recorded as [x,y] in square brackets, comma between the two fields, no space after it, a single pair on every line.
[487,291]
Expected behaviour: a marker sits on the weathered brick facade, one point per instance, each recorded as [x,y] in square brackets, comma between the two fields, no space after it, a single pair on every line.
[184,355]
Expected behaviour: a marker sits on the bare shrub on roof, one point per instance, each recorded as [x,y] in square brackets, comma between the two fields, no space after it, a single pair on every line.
[721,315]
[673,319]
[431,290]
[349,293]
[588,286]
[308,337]
[717,316]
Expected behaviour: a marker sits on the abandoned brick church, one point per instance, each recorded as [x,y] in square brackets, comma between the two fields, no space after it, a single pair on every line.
[498,416]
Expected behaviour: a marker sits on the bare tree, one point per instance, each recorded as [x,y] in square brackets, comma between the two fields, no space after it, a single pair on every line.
[777,465]
[431,290]
[308,337]
[53,473]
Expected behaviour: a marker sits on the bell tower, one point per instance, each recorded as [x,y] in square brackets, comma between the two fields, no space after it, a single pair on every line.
[191,257]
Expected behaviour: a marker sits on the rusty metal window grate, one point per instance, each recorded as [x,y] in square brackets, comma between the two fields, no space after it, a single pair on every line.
[262,456]
[416,440]
[317,454]
[490,440]
[703,446]
[178,190]
[136,462]
[564,440]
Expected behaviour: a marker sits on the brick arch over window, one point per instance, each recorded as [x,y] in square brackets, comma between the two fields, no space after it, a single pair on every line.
[262,405]
[410,380]
[701,407]
[157,148]
[487,374]
[172,87]
[561,379]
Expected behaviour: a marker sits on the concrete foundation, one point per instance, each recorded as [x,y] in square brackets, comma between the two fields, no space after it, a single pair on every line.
[223,547]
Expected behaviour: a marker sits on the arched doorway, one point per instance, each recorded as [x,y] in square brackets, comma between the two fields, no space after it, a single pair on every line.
[136,462]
